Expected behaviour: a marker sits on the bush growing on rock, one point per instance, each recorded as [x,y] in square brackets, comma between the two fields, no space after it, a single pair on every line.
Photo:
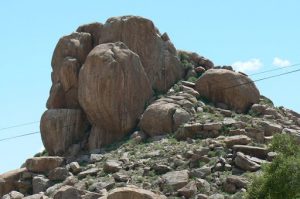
[280,179]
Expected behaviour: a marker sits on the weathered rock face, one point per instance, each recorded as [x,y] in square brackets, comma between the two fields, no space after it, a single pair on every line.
[60,128]
[165,115]
[69,54]
[159,57]
[8,180]
[43,164]
[224,86]
[113,91]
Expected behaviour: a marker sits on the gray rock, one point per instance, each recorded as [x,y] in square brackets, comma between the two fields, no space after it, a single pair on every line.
[96,158]
[237,140]
[59,173]
[200,172]
[175,179]
[188,190]
[91,172]
[216,196]
[68,192]
[13,195]
[252,151]
[74,167]
[112,166]
[271,128]
[40,184]
[214,126]
[203,185]
[161,169]
[37,196]
[244,162]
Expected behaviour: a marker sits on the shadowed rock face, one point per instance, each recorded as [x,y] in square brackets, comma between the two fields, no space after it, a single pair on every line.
[224,86]
[113,91]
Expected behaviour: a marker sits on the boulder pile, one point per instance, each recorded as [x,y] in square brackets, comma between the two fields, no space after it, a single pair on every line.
[130,116]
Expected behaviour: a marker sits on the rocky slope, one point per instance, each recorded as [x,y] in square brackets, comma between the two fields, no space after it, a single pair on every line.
[129,116]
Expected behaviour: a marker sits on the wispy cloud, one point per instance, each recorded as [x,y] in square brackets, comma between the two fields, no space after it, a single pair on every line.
[281,62]
[248,66]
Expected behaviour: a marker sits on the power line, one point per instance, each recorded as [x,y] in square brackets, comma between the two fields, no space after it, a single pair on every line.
[18,125]
[276,69]
[264,78]
[253,74]
[18,136]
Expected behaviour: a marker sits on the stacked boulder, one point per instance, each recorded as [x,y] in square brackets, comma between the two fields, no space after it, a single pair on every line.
[103,77]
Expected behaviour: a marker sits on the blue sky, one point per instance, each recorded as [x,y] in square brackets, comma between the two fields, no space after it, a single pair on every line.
[251,35]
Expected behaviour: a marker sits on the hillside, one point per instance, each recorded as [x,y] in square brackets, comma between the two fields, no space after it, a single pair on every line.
[130,116]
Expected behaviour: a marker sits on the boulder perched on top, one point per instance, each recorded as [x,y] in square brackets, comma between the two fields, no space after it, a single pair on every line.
[113,92]
[158,55]
[235,90]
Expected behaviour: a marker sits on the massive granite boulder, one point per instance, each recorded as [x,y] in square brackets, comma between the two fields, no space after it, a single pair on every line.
[113,92]
[116,80]
[60,128]
[235,90]
[158,55]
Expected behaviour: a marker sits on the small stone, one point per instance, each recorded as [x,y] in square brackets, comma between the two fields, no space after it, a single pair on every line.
[188,190]
[91,172]
[216,196]
[96,158]
[40,183]
[161,169]
[59,173]
[237,140]
[237,181]
[120,177]
[212,126]
[176,179]
[13,195]
[203,185]
[201,196]
[271,156]
[74,167]
[112,166]
[229,188]
[43,164]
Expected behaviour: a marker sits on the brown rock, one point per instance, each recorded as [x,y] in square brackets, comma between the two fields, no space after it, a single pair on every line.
[176,179]
[57,97]
[188,190]
[113,91]
[237,140]
[43,164]
[60,128]
[133,193]
[200,69]
[252,151]
[224,86]
[244,162]
[68,192]
[162,118]
[76,45]
[8,180]
[158,57]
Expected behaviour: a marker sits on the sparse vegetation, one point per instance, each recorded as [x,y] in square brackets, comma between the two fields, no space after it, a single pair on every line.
[281,178]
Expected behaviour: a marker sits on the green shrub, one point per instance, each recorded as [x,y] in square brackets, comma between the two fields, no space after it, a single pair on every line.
[192,79]
[281,178]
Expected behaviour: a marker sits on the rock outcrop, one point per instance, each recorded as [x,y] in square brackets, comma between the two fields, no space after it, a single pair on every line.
[235,90]
[145,60]
[110,82]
